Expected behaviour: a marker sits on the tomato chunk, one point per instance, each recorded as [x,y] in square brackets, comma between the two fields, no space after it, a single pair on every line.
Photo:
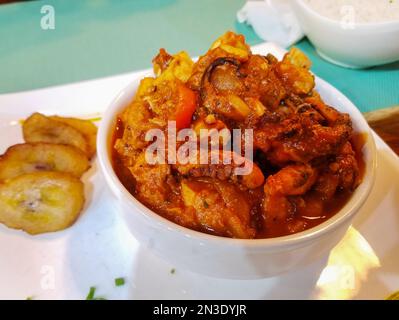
[186,106]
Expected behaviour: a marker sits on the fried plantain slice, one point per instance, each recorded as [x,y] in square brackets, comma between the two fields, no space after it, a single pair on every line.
[39,128]
[32,157]
[41,202]
[86,127]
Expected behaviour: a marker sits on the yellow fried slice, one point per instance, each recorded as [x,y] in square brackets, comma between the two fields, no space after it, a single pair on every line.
[294,72]
[296,79]
[233,44]
[39,128]
[296,57]
[32,157]
[41,202]
[172,67]
[86,127]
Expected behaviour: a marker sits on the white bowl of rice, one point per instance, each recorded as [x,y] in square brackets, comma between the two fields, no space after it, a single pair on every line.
[352,33]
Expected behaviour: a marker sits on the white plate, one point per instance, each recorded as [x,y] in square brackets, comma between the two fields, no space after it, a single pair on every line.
[98,248]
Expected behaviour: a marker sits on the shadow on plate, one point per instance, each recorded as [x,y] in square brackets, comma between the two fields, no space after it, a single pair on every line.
[155,278]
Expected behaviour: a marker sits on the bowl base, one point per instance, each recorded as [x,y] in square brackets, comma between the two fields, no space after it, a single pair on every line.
[338,63]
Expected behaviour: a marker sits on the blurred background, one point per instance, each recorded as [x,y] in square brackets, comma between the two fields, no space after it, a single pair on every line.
[100,38]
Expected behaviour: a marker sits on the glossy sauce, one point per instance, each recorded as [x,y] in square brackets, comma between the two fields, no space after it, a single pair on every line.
[330,207]
[277,229]
[121,171]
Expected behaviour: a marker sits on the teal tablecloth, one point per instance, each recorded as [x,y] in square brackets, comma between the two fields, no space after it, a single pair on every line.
[97,38]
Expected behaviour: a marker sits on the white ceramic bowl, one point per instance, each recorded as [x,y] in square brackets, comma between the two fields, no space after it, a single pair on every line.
[225,257]
[366,45]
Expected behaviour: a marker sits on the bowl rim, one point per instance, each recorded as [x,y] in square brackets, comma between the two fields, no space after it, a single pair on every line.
[366,26]
[350,208]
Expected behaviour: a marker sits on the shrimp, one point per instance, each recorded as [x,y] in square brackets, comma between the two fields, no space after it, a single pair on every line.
[293,180]
[220,208]
[346,168]
[341,173]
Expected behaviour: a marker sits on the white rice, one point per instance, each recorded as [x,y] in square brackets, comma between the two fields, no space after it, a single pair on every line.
[362,11]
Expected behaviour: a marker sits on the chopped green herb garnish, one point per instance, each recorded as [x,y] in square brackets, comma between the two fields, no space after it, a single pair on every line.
[91,294]
[206,205]
[119,282]
[173,271]
[92,291]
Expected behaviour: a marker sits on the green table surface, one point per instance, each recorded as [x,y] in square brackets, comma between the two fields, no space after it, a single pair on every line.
[98,38]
